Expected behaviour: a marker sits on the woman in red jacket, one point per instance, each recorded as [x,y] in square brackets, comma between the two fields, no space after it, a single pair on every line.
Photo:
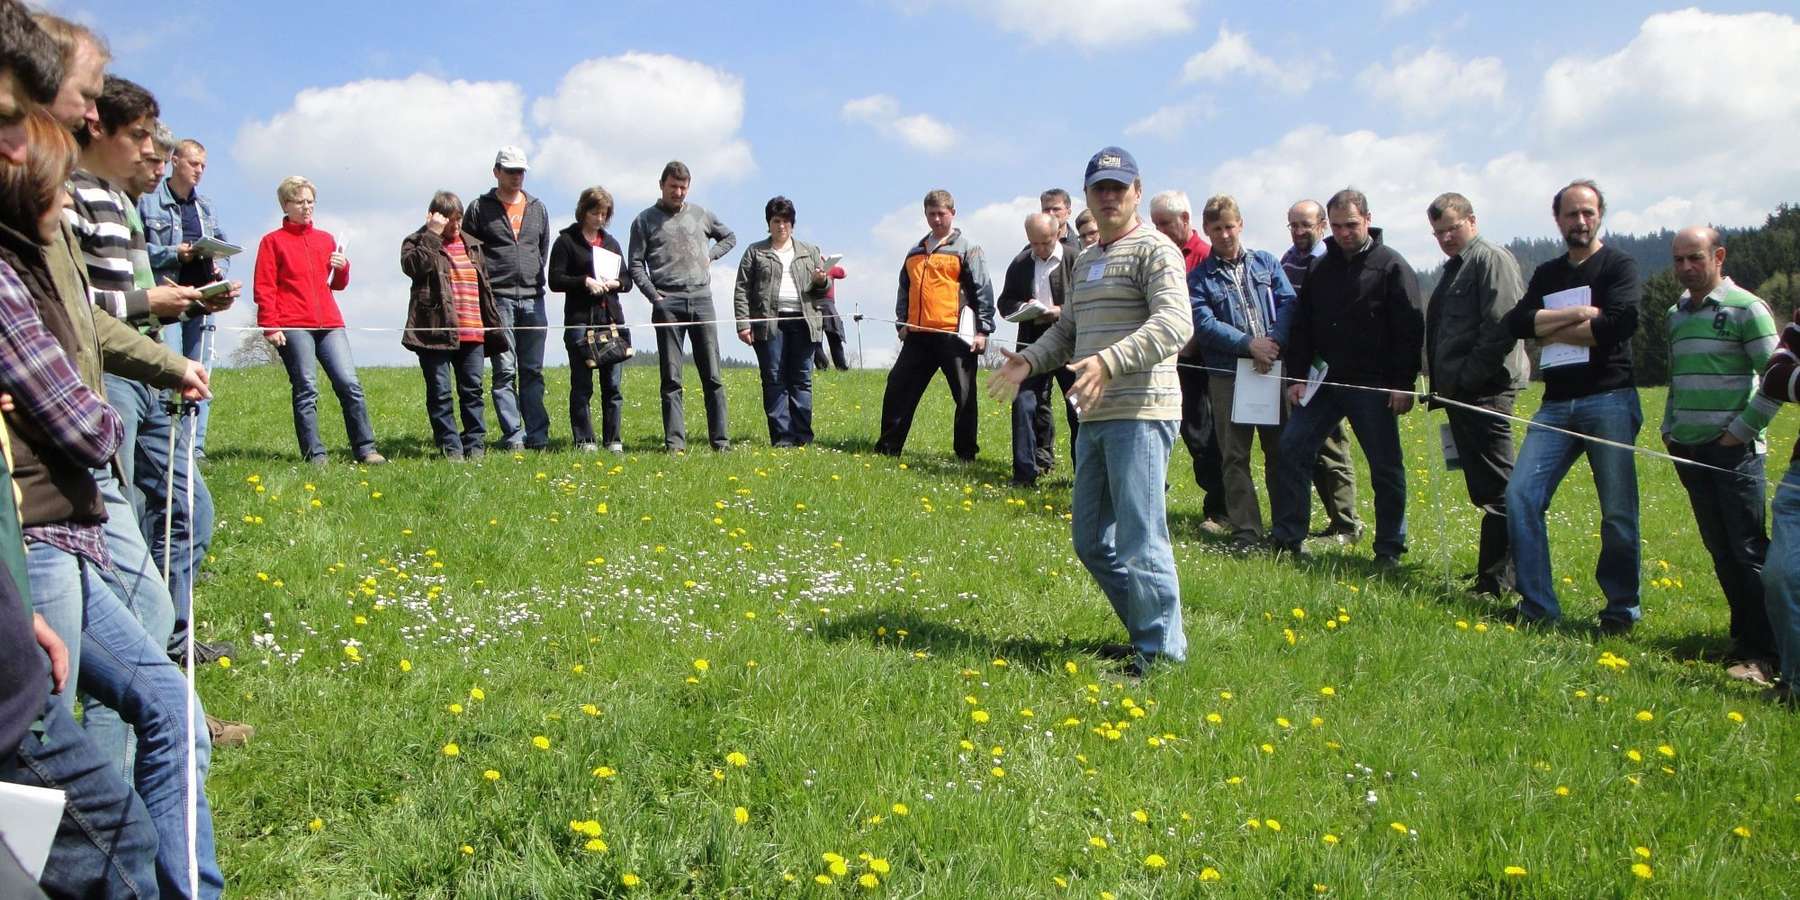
[297,268]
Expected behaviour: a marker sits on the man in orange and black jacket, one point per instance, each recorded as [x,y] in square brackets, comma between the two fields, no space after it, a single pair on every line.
[944,276]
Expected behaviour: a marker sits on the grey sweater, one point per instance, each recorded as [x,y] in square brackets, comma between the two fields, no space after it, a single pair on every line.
[670,256]
[515,263]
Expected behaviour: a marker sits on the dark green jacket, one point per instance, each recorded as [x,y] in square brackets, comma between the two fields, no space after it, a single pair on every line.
[759,281]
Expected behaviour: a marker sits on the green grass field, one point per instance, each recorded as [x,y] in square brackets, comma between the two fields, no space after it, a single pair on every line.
[821,672]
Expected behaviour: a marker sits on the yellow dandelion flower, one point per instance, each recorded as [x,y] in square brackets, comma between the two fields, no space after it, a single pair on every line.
[980,716]
[1735,716]
[1070,667]
[316,825]
[1272,824]
[1666,750]
[594,845]
[476,693]
[1316,722]
[879,866]
[1516,871]
[224,662]
[1209,874]
[1641,852]
[997,772]
[1328,691]
[1742,831]
[467,850]
[1155,861]
[590,709]
[1633,755]
[1643,870]
[452,750]
[1644,715]
[1398,826]
[605,772]
[491,775]
[867,880]
[1097,842]
[1142,817]
[1214,718]
[456,709]
[1268,748]
[630,880]
[740,815]
[540,742]
[899,809]
[1330,839]
[406,665]
[737,759]
[1562,790]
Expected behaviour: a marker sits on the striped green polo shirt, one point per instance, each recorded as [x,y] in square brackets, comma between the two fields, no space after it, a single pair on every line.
[1717,347]
[1128,306]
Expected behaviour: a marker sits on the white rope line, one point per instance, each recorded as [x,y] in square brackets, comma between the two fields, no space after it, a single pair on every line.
[859,318]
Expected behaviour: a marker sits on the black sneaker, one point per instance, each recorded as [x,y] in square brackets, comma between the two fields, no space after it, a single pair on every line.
[205,653]
[1342,534]
[1116,652]
[1387,562]
[1519,618]
[1610,627]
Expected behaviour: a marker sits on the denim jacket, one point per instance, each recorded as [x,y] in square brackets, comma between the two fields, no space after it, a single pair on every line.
[1222,337]
[162,229]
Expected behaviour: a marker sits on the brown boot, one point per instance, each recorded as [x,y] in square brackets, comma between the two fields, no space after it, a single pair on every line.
[228,734]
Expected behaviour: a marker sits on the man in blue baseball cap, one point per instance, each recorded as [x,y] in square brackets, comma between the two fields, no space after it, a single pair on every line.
[1126,315]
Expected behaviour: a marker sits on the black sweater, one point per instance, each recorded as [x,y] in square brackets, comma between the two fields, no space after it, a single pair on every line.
[1363,314]
[1612,277]
[571,264]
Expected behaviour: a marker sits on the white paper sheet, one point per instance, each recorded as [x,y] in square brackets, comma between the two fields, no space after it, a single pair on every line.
[1028,311]
[215,248]
[1555,354]
[965,326]
[606,265]
[1314,377]
[28,819]
[1255,397]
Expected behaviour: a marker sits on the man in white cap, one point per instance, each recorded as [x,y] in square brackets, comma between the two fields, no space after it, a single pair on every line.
[514,231]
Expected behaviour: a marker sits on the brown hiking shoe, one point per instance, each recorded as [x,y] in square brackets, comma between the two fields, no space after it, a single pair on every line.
[1759,672]
[228,734]
[373,458]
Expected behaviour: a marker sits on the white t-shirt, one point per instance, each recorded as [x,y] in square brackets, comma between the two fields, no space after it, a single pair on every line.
[787,296]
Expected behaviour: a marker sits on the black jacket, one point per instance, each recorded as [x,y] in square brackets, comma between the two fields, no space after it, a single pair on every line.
[571,265]
[515,263]
[1363,314]
[1021,279]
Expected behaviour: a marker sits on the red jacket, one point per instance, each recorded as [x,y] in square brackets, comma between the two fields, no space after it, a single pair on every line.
[294,279]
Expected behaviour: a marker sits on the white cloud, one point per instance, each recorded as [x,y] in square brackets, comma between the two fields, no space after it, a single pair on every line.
[1434,83]
[375,143]
[377,149]
[1085,23]
[626,116]
[1170,121]
[919,131]
[1231,55]
[1402,7]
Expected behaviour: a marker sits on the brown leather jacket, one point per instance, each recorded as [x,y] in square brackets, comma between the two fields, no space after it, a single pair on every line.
[431,305]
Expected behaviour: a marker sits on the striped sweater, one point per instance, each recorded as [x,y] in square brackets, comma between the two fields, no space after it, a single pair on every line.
[1129,306]
[1716,348]
[112,243]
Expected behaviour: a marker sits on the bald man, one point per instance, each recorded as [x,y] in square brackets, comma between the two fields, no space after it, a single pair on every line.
[1039,277]
[1720,337]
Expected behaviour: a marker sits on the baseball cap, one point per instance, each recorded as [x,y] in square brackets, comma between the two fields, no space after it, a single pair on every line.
[510,157]
[1111,164]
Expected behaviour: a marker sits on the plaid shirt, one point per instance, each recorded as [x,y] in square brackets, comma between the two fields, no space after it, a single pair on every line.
[50,396]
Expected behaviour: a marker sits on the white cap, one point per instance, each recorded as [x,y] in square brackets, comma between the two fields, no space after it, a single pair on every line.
[510,157]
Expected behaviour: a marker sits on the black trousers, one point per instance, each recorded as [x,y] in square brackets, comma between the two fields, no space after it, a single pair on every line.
[1730,511]
[923,355]
[1484,445]
[1198,434]
[836,341]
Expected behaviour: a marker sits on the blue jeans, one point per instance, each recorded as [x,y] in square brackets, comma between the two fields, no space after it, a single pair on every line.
[125,669]
[1781,574]
[160,505]
[189,339]
[1543,461]
[1120,467]
[785,359]
[519,374]
[1377,431]
[105,845]
[459,369]
[331,348]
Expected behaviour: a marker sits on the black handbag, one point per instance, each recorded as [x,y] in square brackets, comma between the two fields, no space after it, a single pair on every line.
[603,345]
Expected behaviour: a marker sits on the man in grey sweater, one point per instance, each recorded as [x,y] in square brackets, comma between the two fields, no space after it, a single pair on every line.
[669,260]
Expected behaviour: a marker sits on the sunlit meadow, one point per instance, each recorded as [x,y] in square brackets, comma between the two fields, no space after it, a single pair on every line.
[823,672]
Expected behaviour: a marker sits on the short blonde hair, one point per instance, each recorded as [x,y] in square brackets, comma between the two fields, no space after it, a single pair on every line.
[291,186]
[1219,207]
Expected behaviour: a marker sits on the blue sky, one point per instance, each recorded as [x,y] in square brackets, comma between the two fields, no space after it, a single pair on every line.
[855,109]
